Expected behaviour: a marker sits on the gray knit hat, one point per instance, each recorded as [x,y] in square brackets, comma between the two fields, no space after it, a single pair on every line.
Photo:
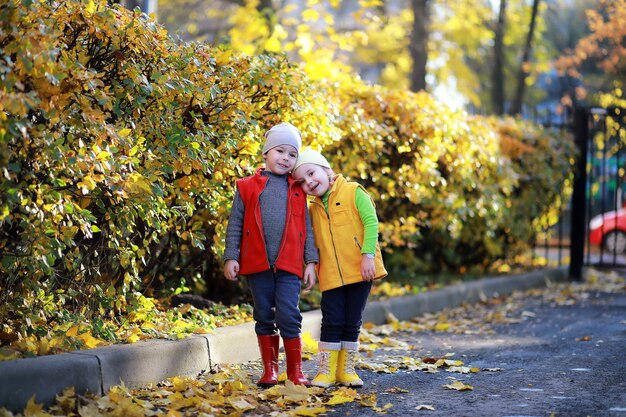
[283,134]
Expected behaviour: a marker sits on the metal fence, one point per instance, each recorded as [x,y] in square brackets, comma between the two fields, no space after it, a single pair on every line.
[591,230]
[605,217]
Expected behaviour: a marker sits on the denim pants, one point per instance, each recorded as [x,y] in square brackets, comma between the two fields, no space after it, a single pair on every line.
[342,312]
[276,296]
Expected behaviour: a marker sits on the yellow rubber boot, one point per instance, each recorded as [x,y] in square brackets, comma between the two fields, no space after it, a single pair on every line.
[327,371]
[346,375]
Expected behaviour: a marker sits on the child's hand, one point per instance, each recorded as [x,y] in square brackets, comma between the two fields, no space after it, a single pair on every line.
[368,270]
[231,269]
[309,277]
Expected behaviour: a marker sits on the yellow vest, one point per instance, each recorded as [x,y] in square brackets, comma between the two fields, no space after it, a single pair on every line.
[339,237]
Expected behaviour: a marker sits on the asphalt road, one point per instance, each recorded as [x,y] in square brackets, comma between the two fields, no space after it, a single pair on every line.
[545,354]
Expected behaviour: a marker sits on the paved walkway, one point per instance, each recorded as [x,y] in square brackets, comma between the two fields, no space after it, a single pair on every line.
[552,354]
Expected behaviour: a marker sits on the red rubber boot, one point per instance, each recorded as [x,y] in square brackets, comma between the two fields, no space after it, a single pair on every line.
[293,353]
[269,356]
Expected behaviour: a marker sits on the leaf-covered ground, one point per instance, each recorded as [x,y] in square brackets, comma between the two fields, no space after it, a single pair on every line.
[231,391]
[151,318]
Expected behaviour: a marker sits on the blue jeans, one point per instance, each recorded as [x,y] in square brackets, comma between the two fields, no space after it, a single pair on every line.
[276,296]
[342,312]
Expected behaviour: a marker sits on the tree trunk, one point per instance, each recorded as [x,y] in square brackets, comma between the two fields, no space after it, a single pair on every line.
[419,44]
[516,106]
[497,88]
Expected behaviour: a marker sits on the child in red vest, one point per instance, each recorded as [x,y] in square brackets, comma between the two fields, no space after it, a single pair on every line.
[269,240]
[345,227]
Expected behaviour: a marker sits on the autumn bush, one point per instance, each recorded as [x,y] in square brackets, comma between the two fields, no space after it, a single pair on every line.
[120,148]
[454,192]
[123,148]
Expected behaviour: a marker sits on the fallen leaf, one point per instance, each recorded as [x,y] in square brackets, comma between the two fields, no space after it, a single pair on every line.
[291,392]
[396,390]
[309,412]
[339,397]
[458,386]
[241,404]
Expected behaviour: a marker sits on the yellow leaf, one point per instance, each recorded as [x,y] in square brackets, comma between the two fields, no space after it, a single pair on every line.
[291,392]
[73,331]
[368,400]
[309,412]
[442,327]
[308,343]
[201,330]
[124,132]
[459,386]
[90,341]
[90,8]
[103,155]
[339,398]
[240,404]
[137,184]
[35,410]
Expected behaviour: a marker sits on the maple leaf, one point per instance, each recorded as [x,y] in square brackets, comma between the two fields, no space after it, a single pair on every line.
[368,400]
[461,369]
[291,392]
[242,404]
[458,386]
[34,409]
[340,397]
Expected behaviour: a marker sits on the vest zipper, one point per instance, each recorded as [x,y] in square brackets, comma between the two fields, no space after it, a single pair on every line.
[332,239]
[260,226]
[357,242]
[282,241]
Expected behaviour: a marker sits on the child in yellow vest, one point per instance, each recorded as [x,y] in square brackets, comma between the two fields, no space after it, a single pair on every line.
[345,227]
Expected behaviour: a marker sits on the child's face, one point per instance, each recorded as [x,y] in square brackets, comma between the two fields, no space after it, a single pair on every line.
[281,159]
[314,179]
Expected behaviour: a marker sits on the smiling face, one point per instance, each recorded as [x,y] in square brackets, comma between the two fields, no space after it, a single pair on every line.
[281,159]
[315,179]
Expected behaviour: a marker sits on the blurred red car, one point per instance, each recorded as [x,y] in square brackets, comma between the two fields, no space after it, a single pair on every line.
[608,231]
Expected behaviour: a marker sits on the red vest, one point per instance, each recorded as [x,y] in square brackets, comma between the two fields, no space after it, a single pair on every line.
[252,250]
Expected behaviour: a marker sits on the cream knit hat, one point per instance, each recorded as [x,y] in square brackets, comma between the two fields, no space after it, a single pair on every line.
[309,156]
[283,134]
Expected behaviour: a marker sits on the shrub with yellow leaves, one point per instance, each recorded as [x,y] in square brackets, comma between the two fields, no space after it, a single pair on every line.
[120,148]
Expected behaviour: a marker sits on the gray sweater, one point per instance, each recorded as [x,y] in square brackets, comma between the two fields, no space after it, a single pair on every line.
[273,202]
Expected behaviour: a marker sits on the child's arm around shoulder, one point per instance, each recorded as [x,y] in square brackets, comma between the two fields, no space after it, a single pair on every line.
[311,255]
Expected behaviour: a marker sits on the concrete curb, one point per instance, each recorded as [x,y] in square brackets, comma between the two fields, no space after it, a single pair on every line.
[150,361]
